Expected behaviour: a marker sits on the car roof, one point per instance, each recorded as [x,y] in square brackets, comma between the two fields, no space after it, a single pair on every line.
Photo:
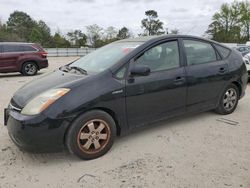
[147,38]
[168,36]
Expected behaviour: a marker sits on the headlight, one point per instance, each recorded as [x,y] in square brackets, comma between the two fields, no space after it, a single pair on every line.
[43,101]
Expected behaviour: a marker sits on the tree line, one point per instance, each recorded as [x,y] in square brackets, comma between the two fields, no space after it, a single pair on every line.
[21,27]
[230,24]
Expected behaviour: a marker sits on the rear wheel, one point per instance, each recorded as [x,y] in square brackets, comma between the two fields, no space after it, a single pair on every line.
[229,100]
[29,69]
[91,135]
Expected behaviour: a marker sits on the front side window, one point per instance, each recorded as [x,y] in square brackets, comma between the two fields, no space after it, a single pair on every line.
[161,57]
[121,73]
[199,52]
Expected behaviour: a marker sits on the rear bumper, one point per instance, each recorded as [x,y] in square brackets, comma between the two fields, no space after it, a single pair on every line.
[43,64]
[36,133]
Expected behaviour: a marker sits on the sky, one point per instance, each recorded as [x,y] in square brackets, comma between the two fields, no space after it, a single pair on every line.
[189,16]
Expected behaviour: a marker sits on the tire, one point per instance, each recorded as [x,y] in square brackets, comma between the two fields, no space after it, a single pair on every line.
[87,131]
[229,100]
[29,69]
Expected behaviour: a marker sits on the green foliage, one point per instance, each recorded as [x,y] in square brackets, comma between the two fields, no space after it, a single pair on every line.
[21,27]
[60,41]
[21,24]
[5,35]
[94,33]
[123,33]
[152,25]
[231,23]
[77,38]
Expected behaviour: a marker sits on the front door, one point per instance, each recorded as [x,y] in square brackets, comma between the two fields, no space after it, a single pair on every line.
[162,93]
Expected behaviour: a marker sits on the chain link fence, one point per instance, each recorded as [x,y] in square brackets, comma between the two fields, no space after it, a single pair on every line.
[67,52]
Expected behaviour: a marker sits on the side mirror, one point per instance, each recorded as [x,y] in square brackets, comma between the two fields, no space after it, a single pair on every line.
[140,71]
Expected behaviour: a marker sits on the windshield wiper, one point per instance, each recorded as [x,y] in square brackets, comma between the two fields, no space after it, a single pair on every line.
[79,69]
[65,68]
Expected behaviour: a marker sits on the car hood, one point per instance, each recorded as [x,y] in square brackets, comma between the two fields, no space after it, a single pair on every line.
[55,79]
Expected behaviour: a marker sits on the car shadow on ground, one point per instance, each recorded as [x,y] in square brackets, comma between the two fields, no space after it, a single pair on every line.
[10,75]
[163,126]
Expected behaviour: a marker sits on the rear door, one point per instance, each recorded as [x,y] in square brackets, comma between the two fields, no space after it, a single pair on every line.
[10,56]
[162,93]
[207,74]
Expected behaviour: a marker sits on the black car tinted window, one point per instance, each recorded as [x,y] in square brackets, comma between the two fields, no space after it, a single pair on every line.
[199,52]
[27,48]
[161,57]
[121,73]
[11,48]
[224,52]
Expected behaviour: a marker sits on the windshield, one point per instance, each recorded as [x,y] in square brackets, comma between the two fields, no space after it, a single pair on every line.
[105,57]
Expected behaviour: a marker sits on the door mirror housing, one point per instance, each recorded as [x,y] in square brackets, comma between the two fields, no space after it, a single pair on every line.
[140,71]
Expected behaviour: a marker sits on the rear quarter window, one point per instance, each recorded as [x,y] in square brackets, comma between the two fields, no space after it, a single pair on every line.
[224,52]
[27,48]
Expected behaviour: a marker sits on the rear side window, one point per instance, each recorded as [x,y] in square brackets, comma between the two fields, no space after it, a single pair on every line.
[11,48]
[224,52]
[199,52]
[26,48]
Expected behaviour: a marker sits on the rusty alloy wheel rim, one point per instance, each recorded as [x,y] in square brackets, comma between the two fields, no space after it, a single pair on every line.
[229,99]
[93,136]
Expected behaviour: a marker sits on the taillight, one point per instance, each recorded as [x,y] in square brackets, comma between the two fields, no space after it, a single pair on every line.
[43,54]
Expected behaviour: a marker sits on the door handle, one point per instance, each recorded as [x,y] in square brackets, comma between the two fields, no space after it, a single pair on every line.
[179,80]
[222,70]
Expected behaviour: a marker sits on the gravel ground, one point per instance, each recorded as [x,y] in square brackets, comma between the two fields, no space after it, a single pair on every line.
[202,150]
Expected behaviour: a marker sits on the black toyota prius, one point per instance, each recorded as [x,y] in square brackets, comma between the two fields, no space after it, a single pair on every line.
[123,86]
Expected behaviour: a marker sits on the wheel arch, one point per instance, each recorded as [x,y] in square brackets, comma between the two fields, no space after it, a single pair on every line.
[113,115]
[238,85]
[107,110]
[26,61]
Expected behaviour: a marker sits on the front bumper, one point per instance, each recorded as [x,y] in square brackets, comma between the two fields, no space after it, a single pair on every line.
[36,133]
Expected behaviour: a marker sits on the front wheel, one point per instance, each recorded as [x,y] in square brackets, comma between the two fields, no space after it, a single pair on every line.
[91,135]
[229,100]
